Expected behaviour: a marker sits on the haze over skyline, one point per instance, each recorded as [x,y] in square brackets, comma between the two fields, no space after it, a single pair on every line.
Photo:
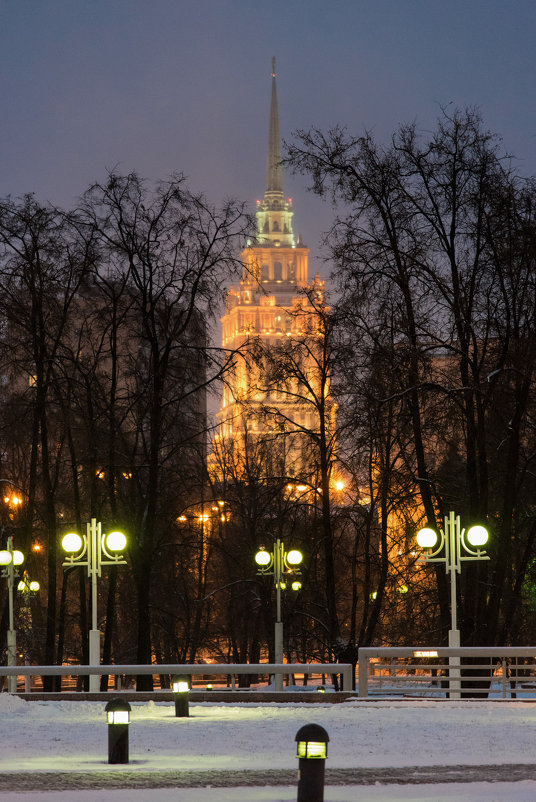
[173,86]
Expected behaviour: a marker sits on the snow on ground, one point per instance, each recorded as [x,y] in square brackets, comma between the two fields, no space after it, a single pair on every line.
[72,736]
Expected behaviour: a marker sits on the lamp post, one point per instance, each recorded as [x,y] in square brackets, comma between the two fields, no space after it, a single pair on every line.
[9,558]
[27,588]
[94,549]
[278,563]
[458,546]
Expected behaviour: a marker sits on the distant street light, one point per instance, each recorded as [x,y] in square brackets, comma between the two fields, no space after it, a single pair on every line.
[94,550]
[457,545]
[279,563]
[9,559]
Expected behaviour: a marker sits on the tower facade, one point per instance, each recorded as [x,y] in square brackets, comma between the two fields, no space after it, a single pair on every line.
[271,321]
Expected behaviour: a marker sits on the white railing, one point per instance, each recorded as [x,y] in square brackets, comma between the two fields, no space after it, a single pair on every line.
[345,670]
[448,672]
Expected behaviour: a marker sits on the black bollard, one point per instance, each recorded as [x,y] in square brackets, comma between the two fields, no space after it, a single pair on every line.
[312,753]
[181,693]
[118,717]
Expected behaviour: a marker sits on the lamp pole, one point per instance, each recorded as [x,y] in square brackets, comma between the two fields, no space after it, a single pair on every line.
[458,546]
[9,558]
[278,563]
[94,549]
[27,588]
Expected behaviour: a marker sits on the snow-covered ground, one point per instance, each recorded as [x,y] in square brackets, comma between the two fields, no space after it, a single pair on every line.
[65,736]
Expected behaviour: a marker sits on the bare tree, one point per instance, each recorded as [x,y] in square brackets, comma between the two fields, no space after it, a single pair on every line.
[437,247]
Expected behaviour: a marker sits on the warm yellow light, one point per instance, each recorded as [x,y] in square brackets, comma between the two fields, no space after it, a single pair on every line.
[21,587]
[36,547]
[426,538]
[403,589]
[312,749]
[339,485]
[302,488]
[115,541]
[294,557]
[296,585]
[181,686]
[263,557]
[477,536]
[71,542]
[421,653]
[18,557]
[5,557]
[34,586]
[181,518]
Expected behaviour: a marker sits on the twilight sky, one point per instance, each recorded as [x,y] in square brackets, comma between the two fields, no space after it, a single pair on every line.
[159,86]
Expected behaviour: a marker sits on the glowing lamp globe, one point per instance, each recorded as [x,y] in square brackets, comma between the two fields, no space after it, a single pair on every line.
[294,557]
[426,538]
[71,543]
[116,541]
[18,557]
[5,557]
[477,536]
[262,558]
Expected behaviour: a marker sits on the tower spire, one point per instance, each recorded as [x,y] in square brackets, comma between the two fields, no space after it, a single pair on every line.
[274,181]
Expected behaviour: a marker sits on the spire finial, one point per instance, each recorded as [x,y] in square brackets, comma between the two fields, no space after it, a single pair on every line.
[273,171]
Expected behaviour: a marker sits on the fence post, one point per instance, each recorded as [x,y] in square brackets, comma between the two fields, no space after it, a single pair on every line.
[363,672]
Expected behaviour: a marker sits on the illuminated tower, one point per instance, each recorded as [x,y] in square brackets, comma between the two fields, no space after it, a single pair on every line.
[270,310]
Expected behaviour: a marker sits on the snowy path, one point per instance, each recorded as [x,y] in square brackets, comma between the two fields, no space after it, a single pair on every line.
[388,751]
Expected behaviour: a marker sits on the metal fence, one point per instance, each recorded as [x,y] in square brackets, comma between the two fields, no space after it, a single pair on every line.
[231,670]
[448,672]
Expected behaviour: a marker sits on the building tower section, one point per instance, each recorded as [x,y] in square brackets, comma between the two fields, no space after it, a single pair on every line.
[269,313]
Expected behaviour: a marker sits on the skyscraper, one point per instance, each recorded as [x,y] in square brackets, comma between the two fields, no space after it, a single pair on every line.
[271,324]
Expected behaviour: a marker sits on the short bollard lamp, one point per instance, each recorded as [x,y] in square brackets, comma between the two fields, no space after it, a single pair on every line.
[312,752]
[118,718]
[181,693]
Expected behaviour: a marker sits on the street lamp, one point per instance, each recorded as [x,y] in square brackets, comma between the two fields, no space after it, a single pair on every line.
[27,588]
[278,564]
[458,546]
[9,559]
[94,550]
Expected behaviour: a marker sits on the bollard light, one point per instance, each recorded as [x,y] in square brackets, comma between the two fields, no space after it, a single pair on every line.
[209,686]
[321,689]
[181,692]
[312,740]
[118,718]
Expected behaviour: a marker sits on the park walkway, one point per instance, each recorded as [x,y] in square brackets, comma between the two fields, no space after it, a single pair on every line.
[125,778]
